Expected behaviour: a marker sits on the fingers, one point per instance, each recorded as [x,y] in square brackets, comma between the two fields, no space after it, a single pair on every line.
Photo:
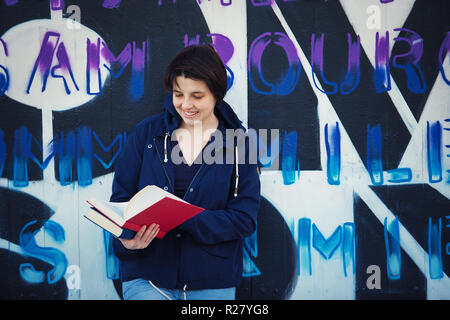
[141,232]
[150,234]
[143,237]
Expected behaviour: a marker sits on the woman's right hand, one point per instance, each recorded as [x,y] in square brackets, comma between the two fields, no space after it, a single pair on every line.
[142,239]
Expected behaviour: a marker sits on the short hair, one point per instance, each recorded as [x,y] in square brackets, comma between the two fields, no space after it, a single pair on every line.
[198,62]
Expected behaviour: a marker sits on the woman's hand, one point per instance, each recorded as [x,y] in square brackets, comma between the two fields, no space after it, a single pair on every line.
[142,239]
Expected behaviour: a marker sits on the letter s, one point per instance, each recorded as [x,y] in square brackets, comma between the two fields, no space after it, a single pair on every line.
[50,255]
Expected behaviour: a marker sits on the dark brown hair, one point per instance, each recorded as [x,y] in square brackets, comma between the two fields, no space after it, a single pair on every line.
[198,62]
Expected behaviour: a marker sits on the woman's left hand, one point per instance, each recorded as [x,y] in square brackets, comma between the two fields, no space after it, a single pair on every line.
[142,239]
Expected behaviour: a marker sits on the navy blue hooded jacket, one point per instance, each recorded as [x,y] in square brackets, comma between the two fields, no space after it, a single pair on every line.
[205,252]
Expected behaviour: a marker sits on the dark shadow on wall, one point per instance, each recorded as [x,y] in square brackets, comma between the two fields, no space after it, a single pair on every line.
[276,259]
[18,209]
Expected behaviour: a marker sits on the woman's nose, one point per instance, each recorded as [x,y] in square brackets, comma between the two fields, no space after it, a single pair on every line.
[187,103]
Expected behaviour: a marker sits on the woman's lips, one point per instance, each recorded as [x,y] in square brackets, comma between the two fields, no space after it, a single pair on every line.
[190,114]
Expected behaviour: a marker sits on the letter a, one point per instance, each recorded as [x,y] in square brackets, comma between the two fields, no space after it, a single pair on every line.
[374,20]
[374,281]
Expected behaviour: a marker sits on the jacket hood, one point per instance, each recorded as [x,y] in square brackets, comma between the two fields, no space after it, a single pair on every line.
[223,111]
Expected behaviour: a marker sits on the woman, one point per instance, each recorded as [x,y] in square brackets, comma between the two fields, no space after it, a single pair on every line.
[202,258]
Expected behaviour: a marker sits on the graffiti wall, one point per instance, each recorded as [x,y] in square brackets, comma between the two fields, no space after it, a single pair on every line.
[355,172]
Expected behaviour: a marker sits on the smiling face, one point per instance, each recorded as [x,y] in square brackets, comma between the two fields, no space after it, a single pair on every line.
[194,102]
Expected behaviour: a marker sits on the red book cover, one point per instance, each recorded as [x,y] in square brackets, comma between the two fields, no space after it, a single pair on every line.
[149,205]
[168,213]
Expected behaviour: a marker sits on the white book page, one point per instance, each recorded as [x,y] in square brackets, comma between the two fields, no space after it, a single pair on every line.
[118,207]
[113,210]
[103,222]
[146,198]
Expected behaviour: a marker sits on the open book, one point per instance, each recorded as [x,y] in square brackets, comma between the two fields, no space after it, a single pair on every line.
[150,205]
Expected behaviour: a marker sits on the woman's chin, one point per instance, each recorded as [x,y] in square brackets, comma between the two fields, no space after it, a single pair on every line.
[192,121]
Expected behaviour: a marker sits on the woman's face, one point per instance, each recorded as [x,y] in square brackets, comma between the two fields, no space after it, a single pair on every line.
[193,101]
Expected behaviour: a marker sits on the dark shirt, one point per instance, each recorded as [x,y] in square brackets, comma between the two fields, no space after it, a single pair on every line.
[183,174]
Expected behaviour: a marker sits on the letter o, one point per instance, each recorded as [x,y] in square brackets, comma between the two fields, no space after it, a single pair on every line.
[256,79]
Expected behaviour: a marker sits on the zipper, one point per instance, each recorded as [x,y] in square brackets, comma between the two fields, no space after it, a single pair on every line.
[162,165]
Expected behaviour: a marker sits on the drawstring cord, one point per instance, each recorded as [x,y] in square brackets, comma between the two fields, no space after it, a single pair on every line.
[237,172]
[165,147]
[165,295]
[160,291]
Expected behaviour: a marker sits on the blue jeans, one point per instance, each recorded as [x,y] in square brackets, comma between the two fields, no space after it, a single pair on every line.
[140,289]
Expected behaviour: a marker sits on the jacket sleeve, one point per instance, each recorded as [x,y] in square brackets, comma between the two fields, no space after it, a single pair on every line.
[126,179]
[126,174]
[237,220]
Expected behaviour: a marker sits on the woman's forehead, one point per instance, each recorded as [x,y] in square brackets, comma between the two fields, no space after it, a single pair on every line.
[183,84]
